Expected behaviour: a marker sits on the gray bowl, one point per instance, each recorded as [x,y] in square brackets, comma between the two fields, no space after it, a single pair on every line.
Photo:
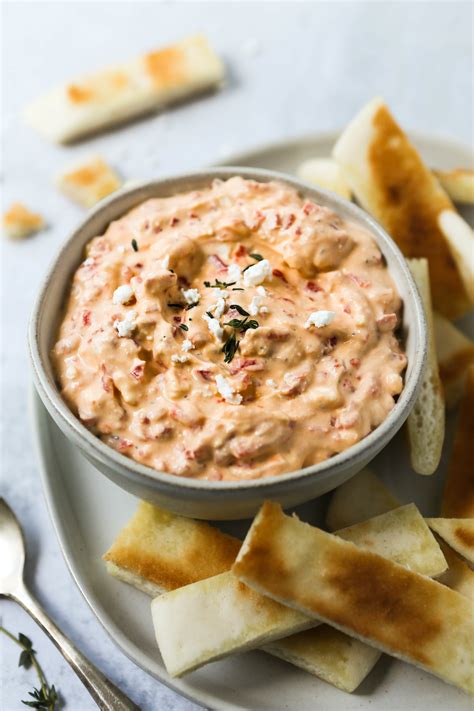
[216,499]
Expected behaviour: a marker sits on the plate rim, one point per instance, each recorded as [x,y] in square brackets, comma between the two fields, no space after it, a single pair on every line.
[37,411]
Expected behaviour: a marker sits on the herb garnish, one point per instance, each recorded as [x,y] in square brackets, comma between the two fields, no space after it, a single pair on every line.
[219,284]
[230,348]
[232,345]
[240,310]
[238,288]
[176,306]
[46,697]
[134,245]
[191,306]
[183,327]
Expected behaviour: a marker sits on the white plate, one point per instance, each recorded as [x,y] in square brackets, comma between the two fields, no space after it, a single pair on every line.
[88,510]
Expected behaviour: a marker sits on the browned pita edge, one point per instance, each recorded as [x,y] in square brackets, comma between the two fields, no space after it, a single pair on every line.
[458,495]
[459,575]
[170,551]
[405,614]
[457,532]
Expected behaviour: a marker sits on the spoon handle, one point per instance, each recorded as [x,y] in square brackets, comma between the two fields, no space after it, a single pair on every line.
[106,695]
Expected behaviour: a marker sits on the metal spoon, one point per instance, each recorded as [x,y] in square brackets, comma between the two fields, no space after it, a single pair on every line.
[12,558]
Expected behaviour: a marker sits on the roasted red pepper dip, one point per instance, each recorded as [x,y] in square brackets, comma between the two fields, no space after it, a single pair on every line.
[231,333]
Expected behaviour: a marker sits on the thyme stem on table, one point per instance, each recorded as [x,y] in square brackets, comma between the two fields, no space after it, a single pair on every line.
[46,697]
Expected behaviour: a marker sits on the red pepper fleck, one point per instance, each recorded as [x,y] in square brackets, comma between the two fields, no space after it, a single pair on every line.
[332,421]
[347,309]
[174,221]
[298,232]
[312,286]
[193,216]
[177,319]
[86,318]
[139,265]
[278,273]
[123,444]
[217,262]
[355,362]
[289,220]
[138,371]
[240,251]
[332,340]
[205,374]
[157,228]
[308,208]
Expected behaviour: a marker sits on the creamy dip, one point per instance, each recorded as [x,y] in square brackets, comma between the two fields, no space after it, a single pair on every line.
[235,332]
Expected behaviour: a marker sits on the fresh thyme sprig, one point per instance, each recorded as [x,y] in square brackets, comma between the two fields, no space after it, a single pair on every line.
[232,345]
[46,697]
[219,284]
[134,245]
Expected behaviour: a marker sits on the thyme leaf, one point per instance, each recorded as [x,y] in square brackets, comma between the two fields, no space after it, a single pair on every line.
[183,327]
[134,245]
[219,284]
[45,697]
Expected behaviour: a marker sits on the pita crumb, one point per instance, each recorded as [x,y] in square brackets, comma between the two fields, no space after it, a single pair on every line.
[19,222]
[88,182]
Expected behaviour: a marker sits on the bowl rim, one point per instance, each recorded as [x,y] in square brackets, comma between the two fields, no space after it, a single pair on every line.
[167,482]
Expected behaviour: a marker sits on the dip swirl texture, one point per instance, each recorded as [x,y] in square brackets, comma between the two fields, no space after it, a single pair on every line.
[231,333]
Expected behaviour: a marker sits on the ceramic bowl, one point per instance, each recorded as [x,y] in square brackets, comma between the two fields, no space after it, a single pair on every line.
[216,499]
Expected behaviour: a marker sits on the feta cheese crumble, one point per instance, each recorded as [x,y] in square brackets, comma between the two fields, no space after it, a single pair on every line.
[257,273]
[165,262]
[126,327]
[214,327]
[122,294]
[319,319]
[88,262]
[218,308]
[227,391]
[254,307]
[187,345]
[233,272]
[191,296]
[180,358]
[272,383]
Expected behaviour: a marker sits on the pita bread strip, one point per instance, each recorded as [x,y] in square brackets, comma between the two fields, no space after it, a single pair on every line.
[164,551]
[458,183]
[455,352]
[426,421]
[458,495]
[358,499]
[194,625]
[116,94]
[369,597]
[390,180]
[457,532]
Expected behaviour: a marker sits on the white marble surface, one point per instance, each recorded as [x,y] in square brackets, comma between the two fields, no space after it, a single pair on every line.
[307,67]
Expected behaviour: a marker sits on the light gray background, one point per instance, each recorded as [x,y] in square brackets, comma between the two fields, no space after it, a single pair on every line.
[293,68]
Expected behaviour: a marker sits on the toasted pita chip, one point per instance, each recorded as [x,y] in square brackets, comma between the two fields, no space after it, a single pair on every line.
[255,624]
[158,551]
[119,93]
[328,654]
[388,177]
[457,532]
[369,597]
[89,181]
[19,222]
[326,174]
[459,575]
[455,353]
[458,495]
[426,421]
[458,183]
[358,499]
